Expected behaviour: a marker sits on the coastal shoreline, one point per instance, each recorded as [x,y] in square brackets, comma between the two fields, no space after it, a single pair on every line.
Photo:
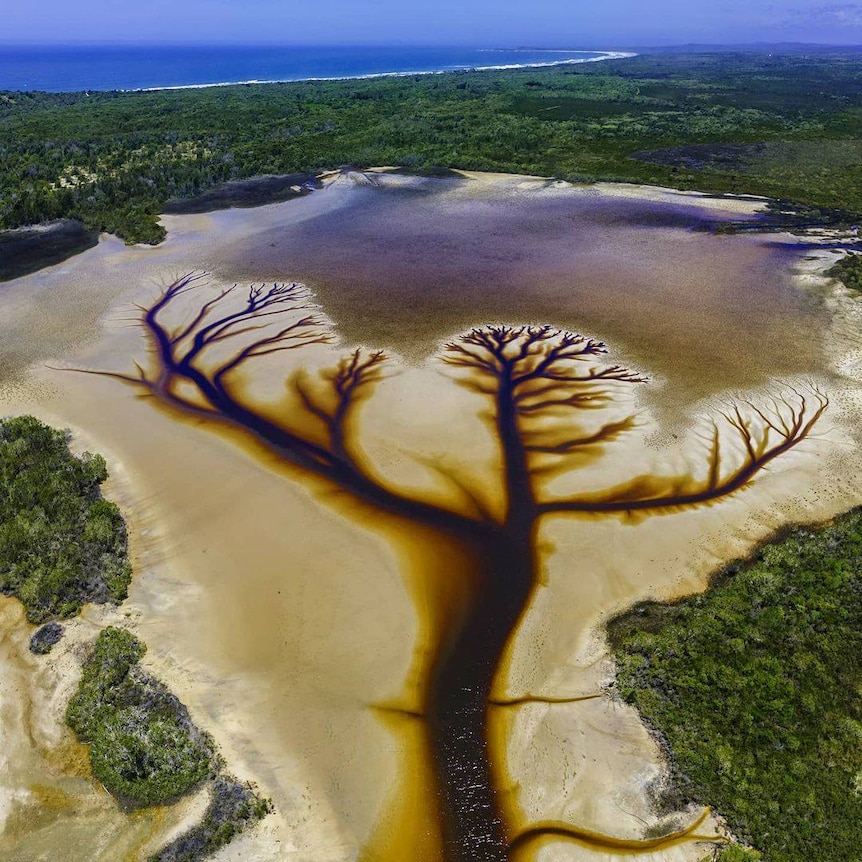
[503,67]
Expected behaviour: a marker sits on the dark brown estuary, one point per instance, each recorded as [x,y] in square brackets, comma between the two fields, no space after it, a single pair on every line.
[547,390]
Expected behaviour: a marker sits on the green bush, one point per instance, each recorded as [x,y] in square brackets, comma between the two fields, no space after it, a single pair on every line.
[61,544]
[144,747]
[233,808]
[755,689]
[735,853]
[848,271]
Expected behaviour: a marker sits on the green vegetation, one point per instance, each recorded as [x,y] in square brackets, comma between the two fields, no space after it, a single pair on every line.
[783,125]
[44,639]
[144,747]
[755,689]
[848,271]
[61,544]
[734,853]
[146,750]
[233,808]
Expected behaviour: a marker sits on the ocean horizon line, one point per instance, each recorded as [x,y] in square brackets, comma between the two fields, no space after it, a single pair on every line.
[131,69]
[53,46]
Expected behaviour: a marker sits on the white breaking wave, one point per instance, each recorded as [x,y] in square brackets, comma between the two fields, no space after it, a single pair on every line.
[603,55]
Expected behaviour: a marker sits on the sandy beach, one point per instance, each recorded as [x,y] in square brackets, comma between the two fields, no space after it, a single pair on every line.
[293,623]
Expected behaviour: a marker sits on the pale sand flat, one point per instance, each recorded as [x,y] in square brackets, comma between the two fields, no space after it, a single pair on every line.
[279,620]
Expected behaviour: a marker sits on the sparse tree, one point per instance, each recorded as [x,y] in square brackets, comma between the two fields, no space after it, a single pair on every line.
[545,388]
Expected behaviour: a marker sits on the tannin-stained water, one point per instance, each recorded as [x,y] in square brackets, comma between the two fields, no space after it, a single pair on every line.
[301,623]
[406,267]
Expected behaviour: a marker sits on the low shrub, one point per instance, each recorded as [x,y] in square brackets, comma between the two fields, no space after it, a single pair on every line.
[144,747]
[61,544]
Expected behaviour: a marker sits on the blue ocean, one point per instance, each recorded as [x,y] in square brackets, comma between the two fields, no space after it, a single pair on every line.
[69,69]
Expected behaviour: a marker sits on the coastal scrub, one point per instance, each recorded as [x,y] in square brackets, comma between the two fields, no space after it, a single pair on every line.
[233,807]
[755,690]
[144,747]
[780,123]
[61,544]
[848,271]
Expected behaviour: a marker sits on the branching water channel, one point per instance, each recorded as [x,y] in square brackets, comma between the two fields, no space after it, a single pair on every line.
[549,393]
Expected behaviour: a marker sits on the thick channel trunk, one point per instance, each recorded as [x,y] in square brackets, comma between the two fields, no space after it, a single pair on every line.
[473,830]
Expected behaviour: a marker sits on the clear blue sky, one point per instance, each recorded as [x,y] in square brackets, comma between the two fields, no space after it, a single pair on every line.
[546,23]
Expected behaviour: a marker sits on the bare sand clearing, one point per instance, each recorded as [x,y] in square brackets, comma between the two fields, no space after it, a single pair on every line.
[282,615]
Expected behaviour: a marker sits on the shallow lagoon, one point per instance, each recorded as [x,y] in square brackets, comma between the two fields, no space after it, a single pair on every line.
[404,267]
[285,616]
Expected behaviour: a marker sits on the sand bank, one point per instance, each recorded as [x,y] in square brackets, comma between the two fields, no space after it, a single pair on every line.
[284,617]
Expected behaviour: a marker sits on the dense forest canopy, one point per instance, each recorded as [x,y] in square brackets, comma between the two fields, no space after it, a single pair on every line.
[783,125]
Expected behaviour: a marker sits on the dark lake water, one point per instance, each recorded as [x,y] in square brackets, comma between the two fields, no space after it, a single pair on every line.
[403,268]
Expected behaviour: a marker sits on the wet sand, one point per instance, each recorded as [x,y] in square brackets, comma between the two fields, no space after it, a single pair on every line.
[406,268]
[253,192]
[26,250]
[283,616]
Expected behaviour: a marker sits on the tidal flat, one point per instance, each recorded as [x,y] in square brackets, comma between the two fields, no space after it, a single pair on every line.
[301,624]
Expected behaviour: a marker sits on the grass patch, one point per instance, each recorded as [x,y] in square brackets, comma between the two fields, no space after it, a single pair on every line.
[144,747]
[61,544]
[755,690]
[734,853]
